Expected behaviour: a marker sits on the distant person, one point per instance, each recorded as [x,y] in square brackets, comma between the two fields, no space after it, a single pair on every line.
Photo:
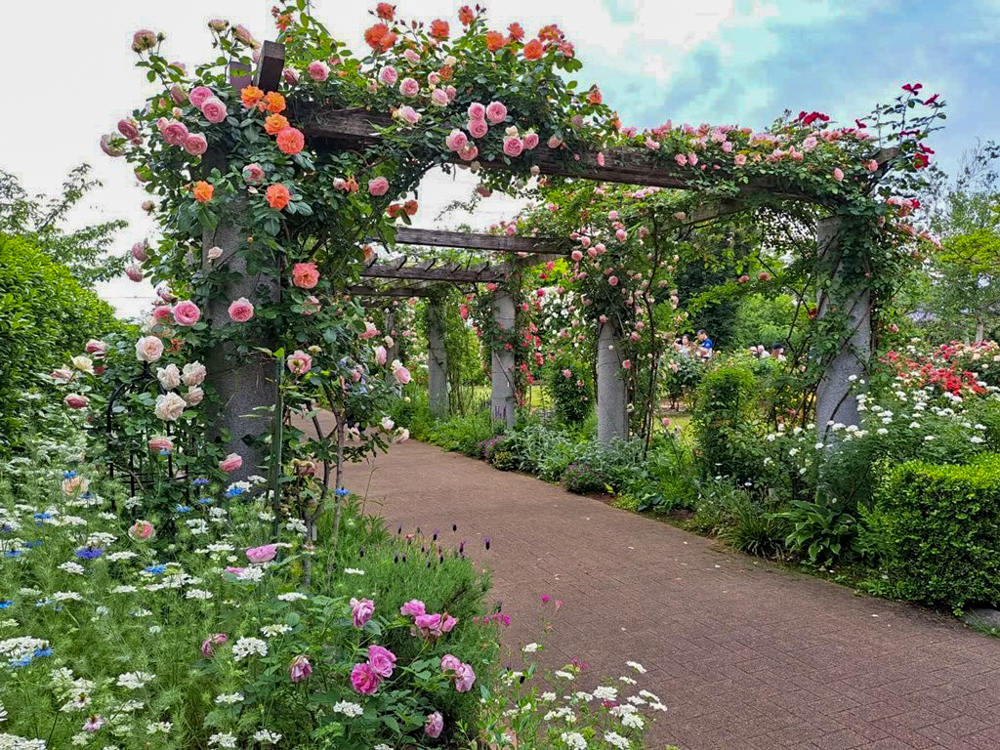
[705,346]
[683,346]
[778,352]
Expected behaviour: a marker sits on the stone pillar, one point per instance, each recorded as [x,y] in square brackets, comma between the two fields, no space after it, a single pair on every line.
[243,382]
[503,402]
[392,352]
[835,401]
[612,397]
[437,362]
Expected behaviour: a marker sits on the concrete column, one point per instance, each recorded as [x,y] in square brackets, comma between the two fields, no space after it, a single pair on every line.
[834,399]
[243,382]
[612,398]
[503,402]
[437,362]
[392,352]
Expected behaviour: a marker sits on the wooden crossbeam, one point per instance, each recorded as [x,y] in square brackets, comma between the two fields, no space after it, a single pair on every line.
[478,241]
[448,272]
[364,290]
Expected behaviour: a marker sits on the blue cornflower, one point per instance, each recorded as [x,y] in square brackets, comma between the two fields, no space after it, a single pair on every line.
[234,492]
[89,553]
[157,569]
[201,482]
[182,508]
[205,500]
[341,491]
[165,452]
[42,516]
[6,528]
[40,652]
[69,474]
[21,662]
[8,603]
[87,495]
[32,545]
[13,553]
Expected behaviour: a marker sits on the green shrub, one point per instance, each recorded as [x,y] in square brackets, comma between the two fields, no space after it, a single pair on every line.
[465,434]
[45,318]
[822,532]
[569,387]
[938,531]
[753,528]
[582,478]
[726,422]
[669,479]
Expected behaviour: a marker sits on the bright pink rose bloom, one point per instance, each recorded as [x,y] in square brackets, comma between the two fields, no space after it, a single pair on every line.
[134,273]
[361,612]
[299,363]
[139,251]
[456,140]
[388,75]
[175,133]
[241,310]
[76,401]
[439,97]
[305,275]
[409,115]
[627,364]
[450,663]
[412,608]
[429,625]
[95,347]
[253,174]
[409,87]
[161,443]
[576,255]
[318,71]
[622,235]
[231,463]
[364,679]
[209,644]
[186,313]
[530,141]
[613,280]
[434,725]
[401,374]
[128,128]
[370,331]
[263,554]
[214,110]
[478,128]
[300,669]
[477,111]
[740,159]
[378,187]
[381,355]
[469,153]
[465,679]
[496,112]
[513,146]
[199,95]
[196,144]
[142,531]
[838,174]
[381,660]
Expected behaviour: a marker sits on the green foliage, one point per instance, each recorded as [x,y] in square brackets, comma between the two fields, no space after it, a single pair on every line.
[726,421]
[936,528]
[669,479]
[465,434]
[822,532]
[753,528]
[45,318]
[765,320]
[569,385]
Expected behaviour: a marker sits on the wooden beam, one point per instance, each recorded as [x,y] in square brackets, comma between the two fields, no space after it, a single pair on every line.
[363,290]
[450,272]
[475,241]
[270,66]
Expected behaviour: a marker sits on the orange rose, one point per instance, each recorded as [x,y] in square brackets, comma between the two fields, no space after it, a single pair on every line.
[410,207]
[291,141]
[272,102]
[251,95]
[439,29]
[594,95]
[274,124]
[394,210]
[495,41]
[533,50]
[446,73]
[516,31]
[375,33]
[465,15]
[277,196]
[203,191]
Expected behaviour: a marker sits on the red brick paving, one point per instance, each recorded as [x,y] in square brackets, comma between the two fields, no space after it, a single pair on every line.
[746,655]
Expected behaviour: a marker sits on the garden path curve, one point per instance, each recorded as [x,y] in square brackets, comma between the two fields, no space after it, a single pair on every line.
[746,655]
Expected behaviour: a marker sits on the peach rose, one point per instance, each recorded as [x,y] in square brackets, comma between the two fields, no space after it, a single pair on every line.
[169,407]
[277,196]
[193,373]
[169,377]
[161,443]
[148,349]
[231,463]
[194,396]
[305,275]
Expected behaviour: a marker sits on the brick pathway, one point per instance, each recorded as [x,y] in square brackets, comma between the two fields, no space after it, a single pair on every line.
[747,656]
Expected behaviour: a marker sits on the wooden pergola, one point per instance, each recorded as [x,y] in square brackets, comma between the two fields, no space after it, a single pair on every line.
[353,129]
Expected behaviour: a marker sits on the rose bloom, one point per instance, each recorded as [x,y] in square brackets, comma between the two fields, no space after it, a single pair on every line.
[251,95]
[142,531]
[477,111]
[186,313]
[299,669]
[241,310]
[434,725]
[209,644]
[409,87]
[148,349]
[139,251]
[83,364]
[456,140]
[305,275]
[388,75]
[174,132]
[214,110]
[478,128]
[412,56]
[272,102]
[466,677]
[203,191]
[311,306]
[193,373]
[838,174]
[439,97]
[253,174]
[196,144]
[134,273]
[194,396]
[361,612]
[364,679]
[128,129]
[385,11]
[408,115]
[513,146]
[318,71]
[381,355]
[495,41]
[469,153]
[169,407]
[169,377]
[291,141]
[76,401]
[274,124]
[277,196]
[370,331]
[381,660]
[412,608]
[263,554]
[533,50]
[299,363]
[378,187]
[231,463]
[530,140]
[439,29]
[200,94]
[161,443]
[496,112]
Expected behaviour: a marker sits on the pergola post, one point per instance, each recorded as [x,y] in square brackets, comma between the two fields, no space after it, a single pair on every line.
[437,361]
[612,397]
[392,352]
[503,402]
[834,400]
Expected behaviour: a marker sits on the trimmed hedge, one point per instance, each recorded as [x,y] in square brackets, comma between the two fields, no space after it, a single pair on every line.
[45,317]
[938,530]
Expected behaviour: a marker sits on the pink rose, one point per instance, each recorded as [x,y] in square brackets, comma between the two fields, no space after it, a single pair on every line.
[196,144]
[477,111]
[364,679]
[378,187]
[134,273]
[381,660]
[253,174]
[214,110]
[370,331]
[175,133]
[838,174]
[241,310]
[469,153]
[291,76]
[161,443]
[621,234]
[305,275]
[740,159]
[200,94]
[311,306]
[142,531]
[450,663]
[259,555]
[95,347]
[209,644]
[478,128]
[148,349]
[139,251]
[456,140]
[531,141]
[231,463]
[412,56]
[361,612]
[388,75]
[409,87]
[613,280]
[576,255]
[76,401]
[627,364]
[439,97]
[465,679]
[169,407]
[412,608]
[496,112]
[300,669]
[318,71]
[408,114]
[429,625]
[401,374]
[128,128]
[194,396]
[186,313]
[381,355]
[299,363]
[62,374]
[554,141]
[434,725]
[513,146]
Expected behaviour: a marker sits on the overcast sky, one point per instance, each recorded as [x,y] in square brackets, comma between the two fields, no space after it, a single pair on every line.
[721,61]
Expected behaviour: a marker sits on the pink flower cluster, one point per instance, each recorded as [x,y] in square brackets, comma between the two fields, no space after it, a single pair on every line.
[367,676]
[427,625]
[458,671]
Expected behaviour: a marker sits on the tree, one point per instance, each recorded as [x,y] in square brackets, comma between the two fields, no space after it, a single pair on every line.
[41,220]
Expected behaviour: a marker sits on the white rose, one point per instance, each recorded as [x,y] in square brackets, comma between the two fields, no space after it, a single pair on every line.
[387,423]
[194,395]
[193,373]
[169,407]
[148,349]
[169,376]
[84,364]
